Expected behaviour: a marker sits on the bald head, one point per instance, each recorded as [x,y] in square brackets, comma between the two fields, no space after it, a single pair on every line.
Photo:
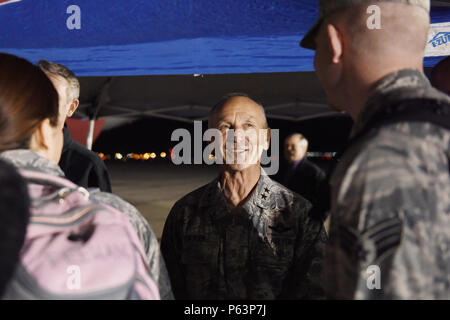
[296,136]
[351,56]
[440,76]
[403,34]
[237,101]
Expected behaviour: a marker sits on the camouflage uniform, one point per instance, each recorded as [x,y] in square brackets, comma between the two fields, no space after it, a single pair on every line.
[26,159]
[267,248]
[391,203]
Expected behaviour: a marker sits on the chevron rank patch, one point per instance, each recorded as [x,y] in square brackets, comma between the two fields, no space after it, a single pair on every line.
[374,244]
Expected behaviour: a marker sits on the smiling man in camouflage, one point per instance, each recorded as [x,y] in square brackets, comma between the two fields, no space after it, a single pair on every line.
[243,236]
[390,206]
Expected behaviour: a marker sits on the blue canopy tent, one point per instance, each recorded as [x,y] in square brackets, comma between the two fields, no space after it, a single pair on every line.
[155,37]
[170,37]
[175,58]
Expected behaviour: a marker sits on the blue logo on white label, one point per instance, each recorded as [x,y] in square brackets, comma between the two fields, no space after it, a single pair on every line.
[440,39]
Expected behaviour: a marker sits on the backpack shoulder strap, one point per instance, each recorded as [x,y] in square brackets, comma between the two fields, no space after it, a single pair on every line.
[46,179]
[413,110]
[418,110]
[63,187]
[433,111]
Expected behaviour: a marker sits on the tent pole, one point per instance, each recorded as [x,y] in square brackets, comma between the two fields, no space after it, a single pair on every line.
[90,137]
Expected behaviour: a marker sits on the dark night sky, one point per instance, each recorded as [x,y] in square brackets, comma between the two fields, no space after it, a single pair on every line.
[326,134]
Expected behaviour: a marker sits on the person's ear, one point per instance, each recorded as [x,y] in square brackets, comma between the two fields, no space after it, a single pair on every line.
[335,42]
[73,107]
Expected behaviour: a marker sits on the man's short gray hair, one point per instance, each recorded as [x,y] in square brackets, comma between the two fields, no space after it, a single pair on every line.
[64,72]
[296,134]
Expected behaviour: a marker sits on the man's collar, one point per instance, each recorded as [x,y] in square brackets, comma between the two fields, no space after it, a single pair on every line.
[211,194]
[67,138]
[296,163]
[401,85]
[31,160]
[260,195]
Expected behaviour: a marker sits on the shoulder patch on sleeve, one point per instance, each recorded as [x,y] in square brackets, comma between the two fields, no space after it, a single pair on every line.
[374,244]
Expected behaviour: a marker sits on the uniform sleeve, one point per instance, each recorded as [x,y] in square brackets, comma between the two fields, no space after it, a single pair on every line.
[171,247]
[306,281]
[147,237]
[378,230]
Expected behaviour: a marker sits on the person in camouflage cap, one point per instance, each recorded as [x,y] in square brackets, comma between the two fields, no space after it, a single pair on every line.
[243,236]
[390,203]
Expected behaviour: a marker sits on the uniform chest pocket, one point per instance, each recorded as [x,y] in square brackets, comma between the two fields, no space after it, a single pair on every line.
[284,247]
[200,252]
[277,251]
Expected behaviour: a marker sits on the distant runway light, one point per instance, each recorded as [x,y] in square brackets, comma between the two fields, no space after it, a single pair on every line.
[163,154]
[119,156]
[146,156]
[153,155]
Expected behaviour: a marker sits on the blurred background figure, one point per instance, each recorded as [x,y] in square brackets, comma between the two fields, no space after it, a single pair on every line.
[14,216]
[440,76]
[80,165]
[298,173]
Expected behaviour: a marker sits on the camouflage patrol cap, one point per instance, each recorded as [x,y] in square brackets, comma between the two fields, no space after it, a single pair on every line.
[326,7]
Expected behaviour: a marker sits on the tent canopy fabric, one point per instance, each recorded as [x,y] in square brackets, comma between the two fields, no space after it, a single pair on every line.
[290,96]
[167,37]
[175,58]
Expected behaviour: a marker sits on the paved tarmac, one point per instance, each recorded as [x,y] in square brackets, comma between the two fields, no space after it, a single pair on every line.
[155,187]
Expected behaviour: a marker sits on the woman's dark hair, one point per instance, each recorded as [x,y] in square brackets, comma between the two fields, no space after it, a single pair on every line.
[27,97]
[14,217]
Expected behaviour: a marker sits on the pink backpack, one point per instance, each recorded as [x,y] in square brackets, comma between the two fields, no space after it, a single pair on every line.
[76,248]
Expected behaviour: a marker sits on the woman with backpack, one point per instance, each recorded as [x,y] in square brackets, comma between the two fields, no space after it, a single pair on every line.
[79,244]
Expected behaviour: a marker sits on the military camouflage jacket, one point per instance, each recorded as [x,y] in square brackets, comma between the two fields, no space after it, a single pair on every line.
[390,216]
[267,248]
[26,159]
